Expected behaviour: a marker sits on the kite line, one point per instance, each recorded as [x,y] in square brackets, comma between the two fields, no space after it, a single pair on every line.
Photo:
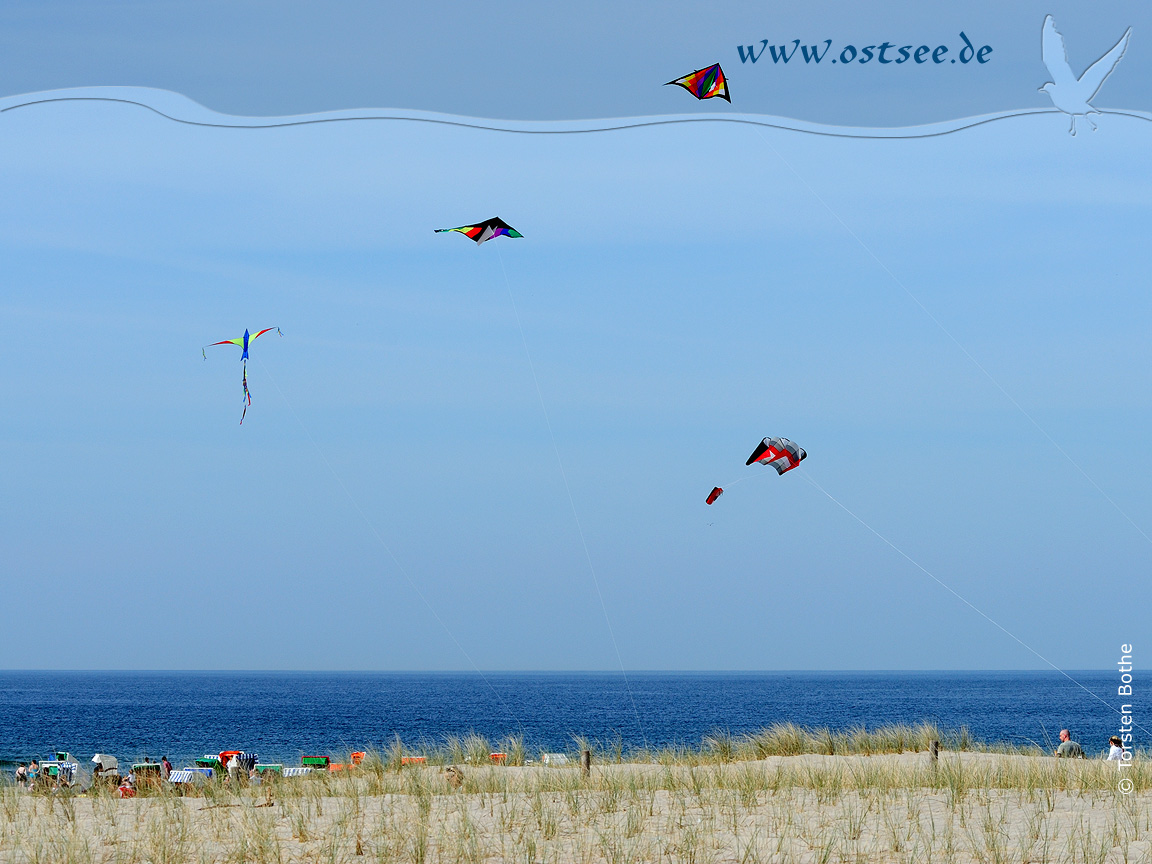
[571,500]
[958,595]
[391,554]
[954,340]
[997,385]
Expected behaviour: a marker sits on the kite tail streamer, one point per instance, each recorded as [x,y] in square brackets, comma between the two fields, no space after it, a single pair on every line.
[247,395]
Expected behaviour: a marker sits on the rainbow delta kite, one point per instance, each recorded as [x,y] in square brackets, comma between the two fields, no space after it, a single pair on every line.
[706,83]
[486,230]
[243,342]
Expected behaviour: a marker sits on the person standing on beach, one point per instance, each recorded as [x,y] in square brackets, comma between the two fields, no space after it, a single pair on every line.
[166,767]
[1068,748]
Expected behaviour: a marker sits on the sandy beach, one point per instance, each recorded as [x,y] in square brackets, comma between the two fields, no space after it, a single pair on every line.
[969,807]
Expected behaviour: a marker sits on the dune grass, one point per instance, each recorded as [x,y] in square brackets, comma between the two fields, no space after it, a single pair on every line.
[785,795]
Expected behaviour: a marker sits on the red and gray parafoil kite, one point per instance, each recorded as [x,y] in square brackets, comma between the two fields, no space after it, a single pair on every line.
[779,453]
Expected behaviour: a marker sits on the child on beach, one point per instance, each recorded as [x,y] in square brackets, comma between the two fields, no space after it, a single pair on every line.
[1116,749]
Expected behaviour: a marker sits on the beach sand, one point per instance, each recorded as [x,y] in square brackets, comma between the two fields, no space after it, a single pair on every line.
[969,807]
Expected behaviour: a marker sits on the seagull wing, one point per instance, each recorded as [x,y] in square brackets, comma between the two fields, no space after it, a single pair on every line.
[1095,74]
[1055,55]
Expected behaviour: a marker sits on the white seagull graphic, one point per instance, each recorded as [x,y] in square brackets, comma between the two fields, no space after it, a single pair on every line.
[1070,94]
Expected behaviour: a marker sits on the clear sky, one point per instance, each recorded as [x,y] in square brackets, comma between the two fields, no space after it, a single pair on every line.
[683,292]
[524,59]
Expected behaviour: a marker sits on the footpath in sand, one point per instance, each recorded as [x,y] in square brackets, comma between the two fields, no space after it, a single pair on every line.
[968,807]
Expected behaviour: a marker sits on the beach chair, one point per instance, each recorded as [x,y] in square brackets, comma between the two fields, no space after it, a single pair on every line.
[357,757]
[185,778]
[105,770]
[49,776]
[270,769]
[498,758]
[210,762]
[297,771]
[148,775]
[321,762]
[412,760]
[554,759]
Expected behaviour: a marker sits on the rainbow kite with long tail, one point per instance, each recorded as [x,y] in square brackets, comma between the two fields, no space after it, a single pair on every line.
[243,342]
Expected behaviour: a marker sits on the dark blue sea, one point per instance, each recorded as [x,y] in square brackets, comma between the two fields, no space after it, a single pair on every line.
[282,715]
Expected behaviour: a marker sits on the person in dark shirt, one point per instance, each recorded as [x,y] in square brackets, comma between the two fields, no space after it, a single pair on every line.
[1068,748]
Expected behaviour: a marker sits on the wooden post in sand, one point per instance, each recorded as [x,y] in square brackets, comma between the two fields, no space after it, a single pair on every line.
[934,752]
[586,762]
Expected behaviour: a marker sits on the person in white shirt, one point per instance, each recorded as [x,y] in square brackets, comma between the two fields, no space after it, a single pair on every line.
[1116,750]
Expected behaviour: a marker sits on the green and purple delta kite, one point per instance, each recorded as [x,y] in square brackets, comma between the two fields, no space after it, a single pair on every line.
[243,342]
[486,230]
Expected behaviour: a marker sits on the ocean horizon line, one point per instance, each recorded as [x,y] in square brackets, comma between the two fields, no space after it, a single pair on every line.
[603,672]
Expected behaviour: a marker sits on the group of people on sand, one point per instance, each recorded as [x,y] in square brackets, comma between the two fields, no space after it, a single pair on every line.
[1069,749]
[29,774]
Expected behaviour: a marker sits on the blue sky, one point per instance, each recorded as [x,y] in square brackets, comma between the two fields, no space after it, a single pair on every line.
[683,292]
[526,60]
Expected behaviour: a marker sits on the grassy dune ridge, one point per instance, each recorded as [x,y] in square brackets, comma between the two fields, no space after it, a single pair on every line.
[780,739]
[712,804]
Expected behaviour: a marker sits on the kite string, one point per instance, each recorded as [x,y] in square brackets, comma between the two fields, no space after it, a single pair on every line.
[998,386]
[953,339]
[957,595]
[571,500]
[391,554]
[726,486]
